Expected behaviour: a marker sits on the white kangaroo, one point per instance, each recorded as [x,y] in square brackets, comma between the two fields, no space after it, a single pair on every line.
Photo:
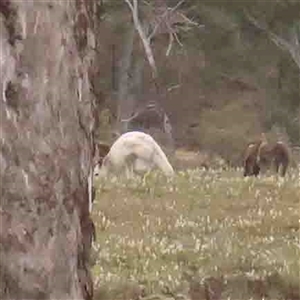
[134,152]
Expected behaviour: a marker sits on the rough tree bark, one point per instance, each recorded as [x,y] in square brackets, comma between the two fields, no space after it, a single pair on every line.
[47,124]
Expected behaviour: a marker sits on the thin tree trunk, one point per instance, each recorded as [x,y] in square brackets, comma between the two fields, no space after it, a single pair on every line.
[124,99]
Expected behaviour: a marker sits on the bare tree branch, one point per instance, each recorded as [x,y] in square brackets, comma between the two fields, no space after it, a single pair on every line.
[163,17]
[172,34]
[171,39]
[189,20]
[134,9]
[177,39]
[131,118]
[130,5]
[291,46]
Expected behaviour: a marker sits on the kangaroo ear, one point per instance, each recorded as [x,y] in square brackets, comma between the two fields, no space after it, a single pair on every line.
[96,170]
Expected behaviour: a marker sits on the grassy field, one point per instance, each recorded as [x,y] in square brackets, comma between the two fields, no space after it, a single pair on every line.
[206,235]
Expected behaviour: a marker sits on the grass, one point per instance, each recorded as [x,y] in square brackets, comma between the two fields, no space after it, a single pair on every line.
[206,234]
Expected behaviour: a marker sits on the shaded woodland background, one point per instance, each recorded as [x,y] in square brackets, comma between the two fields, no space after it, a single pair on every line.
[223,82]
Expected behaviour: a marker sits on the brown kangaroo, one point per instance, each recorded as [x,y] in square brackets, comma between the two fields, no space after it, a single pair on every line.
[261,154]
[251,167]
[277,154]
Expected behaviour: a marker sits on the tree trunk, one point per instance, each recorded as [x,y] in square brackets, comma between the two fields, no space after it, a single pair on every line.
[47,125]
[125,100]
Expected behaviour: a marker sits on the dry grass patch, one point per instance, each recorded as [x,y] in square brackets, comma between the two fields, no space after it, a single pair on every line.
[239,236]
